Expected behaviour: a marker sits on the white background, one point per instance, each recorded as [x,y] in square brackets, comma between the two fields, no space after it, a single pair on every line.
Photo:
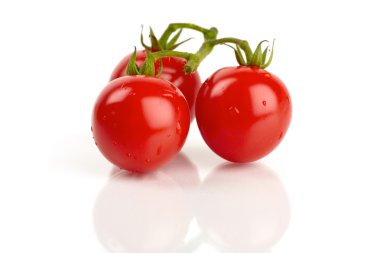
[57,193]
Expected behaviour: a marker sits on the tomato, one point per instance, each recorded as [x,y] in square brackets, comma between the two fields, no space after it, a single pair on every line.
[172,71]
[243,113]
[140,122]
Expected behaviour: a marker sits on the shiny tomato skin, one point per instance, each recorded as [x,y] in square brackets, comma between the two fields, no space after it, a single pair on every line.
[172,71]
[243,112]
[140,122]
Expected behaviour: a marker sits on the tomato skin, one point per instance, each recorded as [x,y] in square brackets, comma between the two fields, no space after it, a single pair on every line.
[172,70]
[243,113]
[140,122]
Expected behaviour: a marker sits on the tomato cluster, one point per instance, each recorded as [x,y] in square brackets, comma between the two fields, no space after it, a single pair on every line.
[142,117]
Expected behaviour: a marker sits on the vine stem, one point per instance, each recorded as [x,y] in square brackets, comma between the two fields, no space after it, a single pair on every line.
[243,44]
[257,58]
[206,48]
[167,53]
[194,60]
[208,34]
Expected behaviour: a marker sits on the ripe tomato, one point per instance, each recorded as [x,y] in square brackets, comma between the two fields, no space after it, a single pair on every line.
[172,71]
[243,113]
[140,122]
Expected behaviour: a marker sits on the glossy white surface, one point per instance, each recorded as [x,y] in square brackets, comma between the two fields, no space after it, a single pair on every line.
[317,192]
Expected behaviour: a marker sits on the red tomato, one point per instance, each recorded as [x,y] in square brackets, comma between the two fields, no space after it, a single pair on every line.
[172,71]
[140,122]
[243,113]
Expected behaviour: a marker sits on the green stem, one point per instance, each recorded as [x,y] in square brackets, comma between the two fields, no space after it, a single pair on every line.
[166,53]
[195,59]
[206,48]
[243,44]
[207,33]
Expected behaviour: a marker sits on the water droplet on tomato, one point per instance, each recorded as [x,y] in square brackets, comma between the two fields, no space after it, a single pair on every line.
[178,128]
[264,103]
[234,109]
[129,154]
[113,113]
[104,117]
[147,160]
[168,95]
[168,135]
[115,143]
[281,134]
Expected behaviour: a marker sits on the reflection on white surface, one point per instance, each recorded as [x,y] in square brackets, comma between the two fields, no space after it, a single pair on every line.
[243,208]
[145,213]
[238,208]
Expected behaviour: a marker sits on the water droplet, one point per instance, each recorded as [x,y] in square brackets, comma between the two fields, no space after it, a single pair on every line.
[178,128]
[147,160]
[113,113]
[104,117]
[159,150]
[268,75]
[92,130]
[115,143]
[168,135]
[264,103]
[132,93]
[234,109]
[168,95]
[281,134]
[129,154]
[96,143]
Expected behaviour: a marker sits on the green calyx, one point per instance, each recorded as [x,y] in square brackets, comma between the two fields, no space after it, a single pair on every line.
[147,68]
[159,45]
[168,41]
[258,58]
